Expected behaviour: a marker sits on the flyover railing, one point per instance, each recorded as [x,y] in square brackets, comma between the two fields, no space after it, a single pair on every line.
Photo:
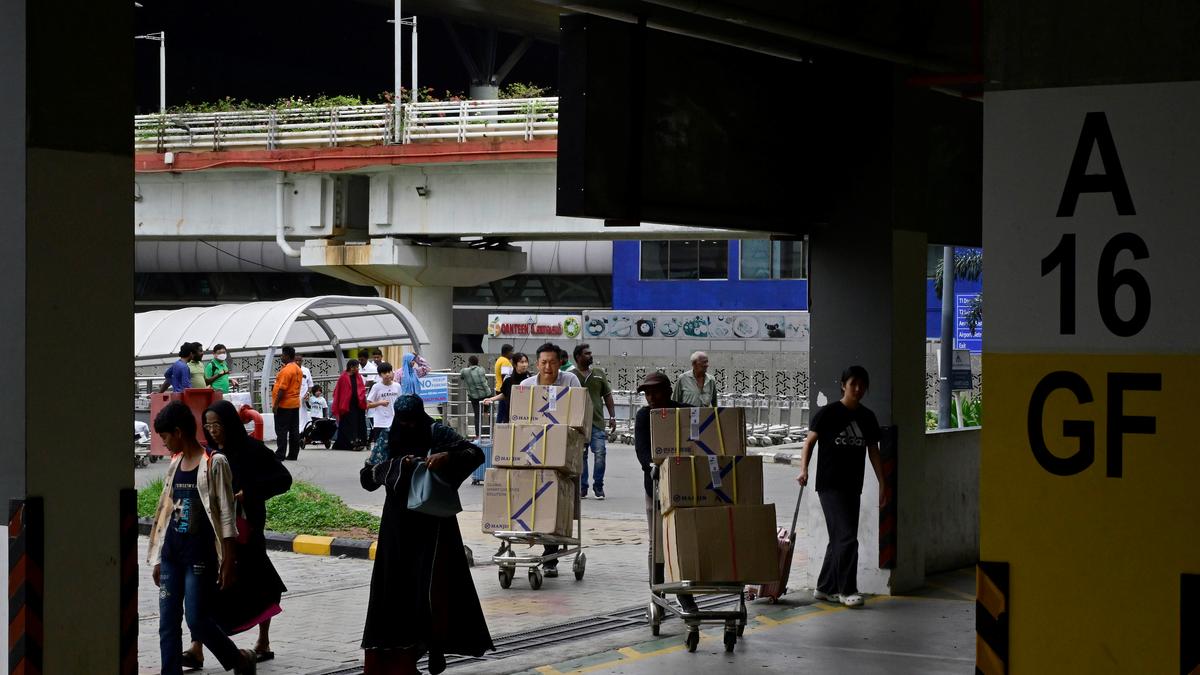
[523,118]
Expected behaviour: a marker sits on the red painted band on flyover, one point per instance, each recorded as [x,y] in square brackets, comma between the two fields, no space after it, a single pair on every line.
[346,158]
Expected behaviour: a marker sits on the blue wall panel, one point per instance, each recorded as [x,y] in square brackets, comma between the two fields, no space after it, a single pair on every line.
[630,292]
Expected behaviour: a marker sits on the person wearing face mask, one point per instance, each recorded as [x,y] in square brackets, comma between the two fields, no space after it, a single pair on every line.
[216,371]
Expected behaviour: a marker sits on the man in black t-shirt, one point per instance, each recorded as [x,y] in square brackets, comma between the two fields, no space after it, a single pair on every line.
[847,432]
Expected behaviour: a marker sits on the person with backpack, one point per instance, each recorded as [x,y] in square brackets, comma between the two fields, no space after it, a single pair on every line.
[192,545]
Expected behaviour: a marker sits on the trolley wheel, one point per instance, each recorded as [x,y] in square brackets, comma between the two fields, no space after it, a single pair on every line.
[535,578]
[654,616]
[693,639]
[730,638]
[506,577]
[579,566]
[741,629]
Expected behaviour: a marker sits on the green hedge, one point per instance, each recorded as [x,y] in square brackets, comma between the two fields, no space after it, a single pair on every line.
[304,509]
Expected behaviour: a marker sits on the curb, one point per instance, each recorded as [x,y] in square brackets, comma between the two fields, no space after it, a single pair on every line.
[777,457]
[304,543]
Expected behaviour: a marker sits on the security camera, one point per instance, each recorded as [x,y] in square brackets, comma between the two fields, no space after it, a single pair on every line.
[422,190]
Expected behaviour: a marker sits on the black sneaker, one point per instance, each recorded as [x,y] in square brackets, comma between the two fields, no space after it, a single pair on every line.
[599,495]
[550,572]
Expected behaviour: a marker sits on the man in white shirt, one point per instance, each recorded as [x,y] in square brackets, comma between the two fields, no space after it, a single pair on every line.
[380,399]
[549,373]
[306,385]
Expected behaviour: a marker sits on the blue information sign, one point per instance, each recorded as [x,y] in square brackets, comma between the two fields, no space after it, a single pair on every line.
[963,338]
[435,389]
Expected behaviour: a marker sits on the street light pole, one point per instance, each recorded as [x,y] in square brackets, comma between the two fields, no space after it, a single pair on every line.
[162,72]
[161,38]
[398,52]
[414,58]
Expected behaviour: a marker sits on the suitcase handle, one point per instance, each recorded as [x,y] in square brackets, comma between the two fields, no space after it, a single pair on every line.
[796,513]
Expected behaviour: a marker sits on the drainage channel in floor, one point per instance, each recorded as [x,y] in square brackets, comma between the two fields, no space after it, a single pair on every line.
[510,645]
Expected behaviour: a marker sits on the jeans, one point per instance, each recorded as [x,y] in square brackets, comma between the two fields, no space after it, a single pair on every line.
[839,572]
[287,433]
[188,590]
[599,447]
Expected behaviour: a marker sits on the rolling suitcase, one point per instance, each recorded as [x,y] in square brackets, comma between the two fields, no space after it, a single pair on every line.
[787,546]
[484,444]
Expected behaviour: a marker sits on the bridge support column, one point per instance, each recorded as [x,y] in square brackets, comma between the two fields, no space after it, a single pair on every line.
[434,308]
[867,308]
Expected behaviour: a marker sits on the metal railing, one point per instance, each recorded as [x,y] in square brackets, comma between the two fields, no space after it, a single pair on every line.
[524,118]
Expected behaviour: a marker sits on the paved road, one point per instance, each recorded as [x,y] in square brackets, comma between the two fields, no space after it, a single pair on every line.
[337,471]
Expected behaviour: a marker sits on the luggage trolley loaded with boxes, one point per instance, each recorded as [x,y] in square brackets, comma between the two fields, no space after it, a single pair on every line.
[713,534]
[531,493]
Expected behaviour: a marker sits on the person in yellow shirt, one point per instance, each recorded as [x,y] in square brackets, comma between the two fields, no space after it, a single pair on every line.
[285,403]
[504,366]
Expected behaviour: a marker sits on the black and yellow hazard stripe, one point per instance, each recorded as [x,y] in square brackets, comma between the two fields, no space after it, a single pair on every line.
[26,541]
[129,582]
[1189,624]
[991,618]
[888,513]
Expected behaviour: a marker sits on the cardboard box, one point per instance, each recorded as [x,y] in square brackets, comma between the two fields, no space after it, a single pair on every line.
[696,430]
[710,481]
[538,446]
[733,544]
[537,404]
[528,500]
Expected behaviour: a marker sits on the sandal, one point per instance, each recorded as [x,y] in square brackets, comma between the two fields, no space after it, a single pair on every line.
[189,661]
[265,655]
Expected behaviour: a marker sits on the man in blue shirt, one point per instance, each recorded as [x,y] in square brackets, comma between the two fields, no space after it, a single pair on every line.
[178,377]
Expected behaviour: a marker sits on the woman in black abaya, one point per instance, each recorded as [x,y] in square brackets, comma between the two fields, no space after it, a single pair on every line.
[423,598]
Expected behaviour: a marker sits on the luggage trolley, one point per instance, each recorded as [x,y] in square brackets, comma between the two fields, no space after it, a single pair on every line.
[733,620]
[508,560]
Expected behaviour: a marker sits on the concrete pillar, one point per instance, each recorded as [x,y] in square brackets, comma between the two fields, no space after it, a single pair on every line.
[434,308]
[484,92]
[65,269]
[867,290]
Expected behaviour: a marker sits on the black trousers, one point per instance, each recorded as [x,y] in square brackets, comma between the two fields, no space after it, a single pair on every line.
[475,410]
[287,433]
[839,572]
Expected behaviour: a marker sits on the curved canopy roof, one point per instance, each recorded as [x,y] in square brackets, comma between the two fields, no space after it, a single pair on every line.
[330,322]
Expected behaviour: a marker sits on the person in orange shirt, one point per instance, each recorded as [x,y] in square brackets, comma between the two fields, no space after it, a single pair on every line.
[285,403]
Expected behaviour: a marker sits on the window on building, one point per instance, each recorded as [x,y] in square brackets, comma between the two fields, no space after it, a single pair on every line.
[687,259]
[765,259]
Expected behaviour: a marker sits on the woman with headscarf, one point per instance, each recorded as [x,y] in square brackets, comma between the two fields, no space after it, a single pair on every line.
[350,409]
[423,598]
[258,475]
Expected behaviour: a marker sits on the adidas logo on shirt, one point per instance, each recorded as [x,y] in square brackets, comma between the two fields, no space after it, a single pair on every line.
[851,436]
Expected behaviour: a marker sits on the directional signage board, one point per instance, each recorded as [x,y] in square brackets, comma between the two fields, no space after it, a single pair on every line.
[965,336]
[1090,504]
[435,389]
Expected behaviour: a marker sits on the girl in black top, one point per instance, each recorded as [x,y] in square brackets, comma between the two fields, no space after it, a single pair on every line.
[258,475]
[519,373]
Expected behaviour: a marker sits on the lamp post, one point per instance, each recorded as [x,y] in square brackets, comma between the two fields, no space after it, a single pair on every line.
[161,38]
[399,22]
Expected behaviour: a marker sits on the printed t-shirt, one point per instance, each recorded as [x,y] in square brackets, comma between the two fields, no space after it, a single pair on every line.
[843,436]
[190,537]
[383,415]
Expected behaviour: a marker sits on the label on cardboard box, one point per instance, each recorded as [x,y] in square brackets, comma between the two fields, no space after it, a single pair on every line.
[528,500]
[538,446]
[730,544]
[718,432]
[687,481]
[540,404]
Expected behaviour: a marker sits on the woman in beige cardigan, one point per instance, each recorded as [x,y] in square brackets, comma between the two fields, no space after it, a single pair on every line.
[192,544]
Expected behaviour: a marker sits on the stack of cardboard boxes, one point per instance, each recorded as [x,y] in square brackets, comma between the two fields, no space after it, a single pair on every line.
[535,458]
[715,527]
